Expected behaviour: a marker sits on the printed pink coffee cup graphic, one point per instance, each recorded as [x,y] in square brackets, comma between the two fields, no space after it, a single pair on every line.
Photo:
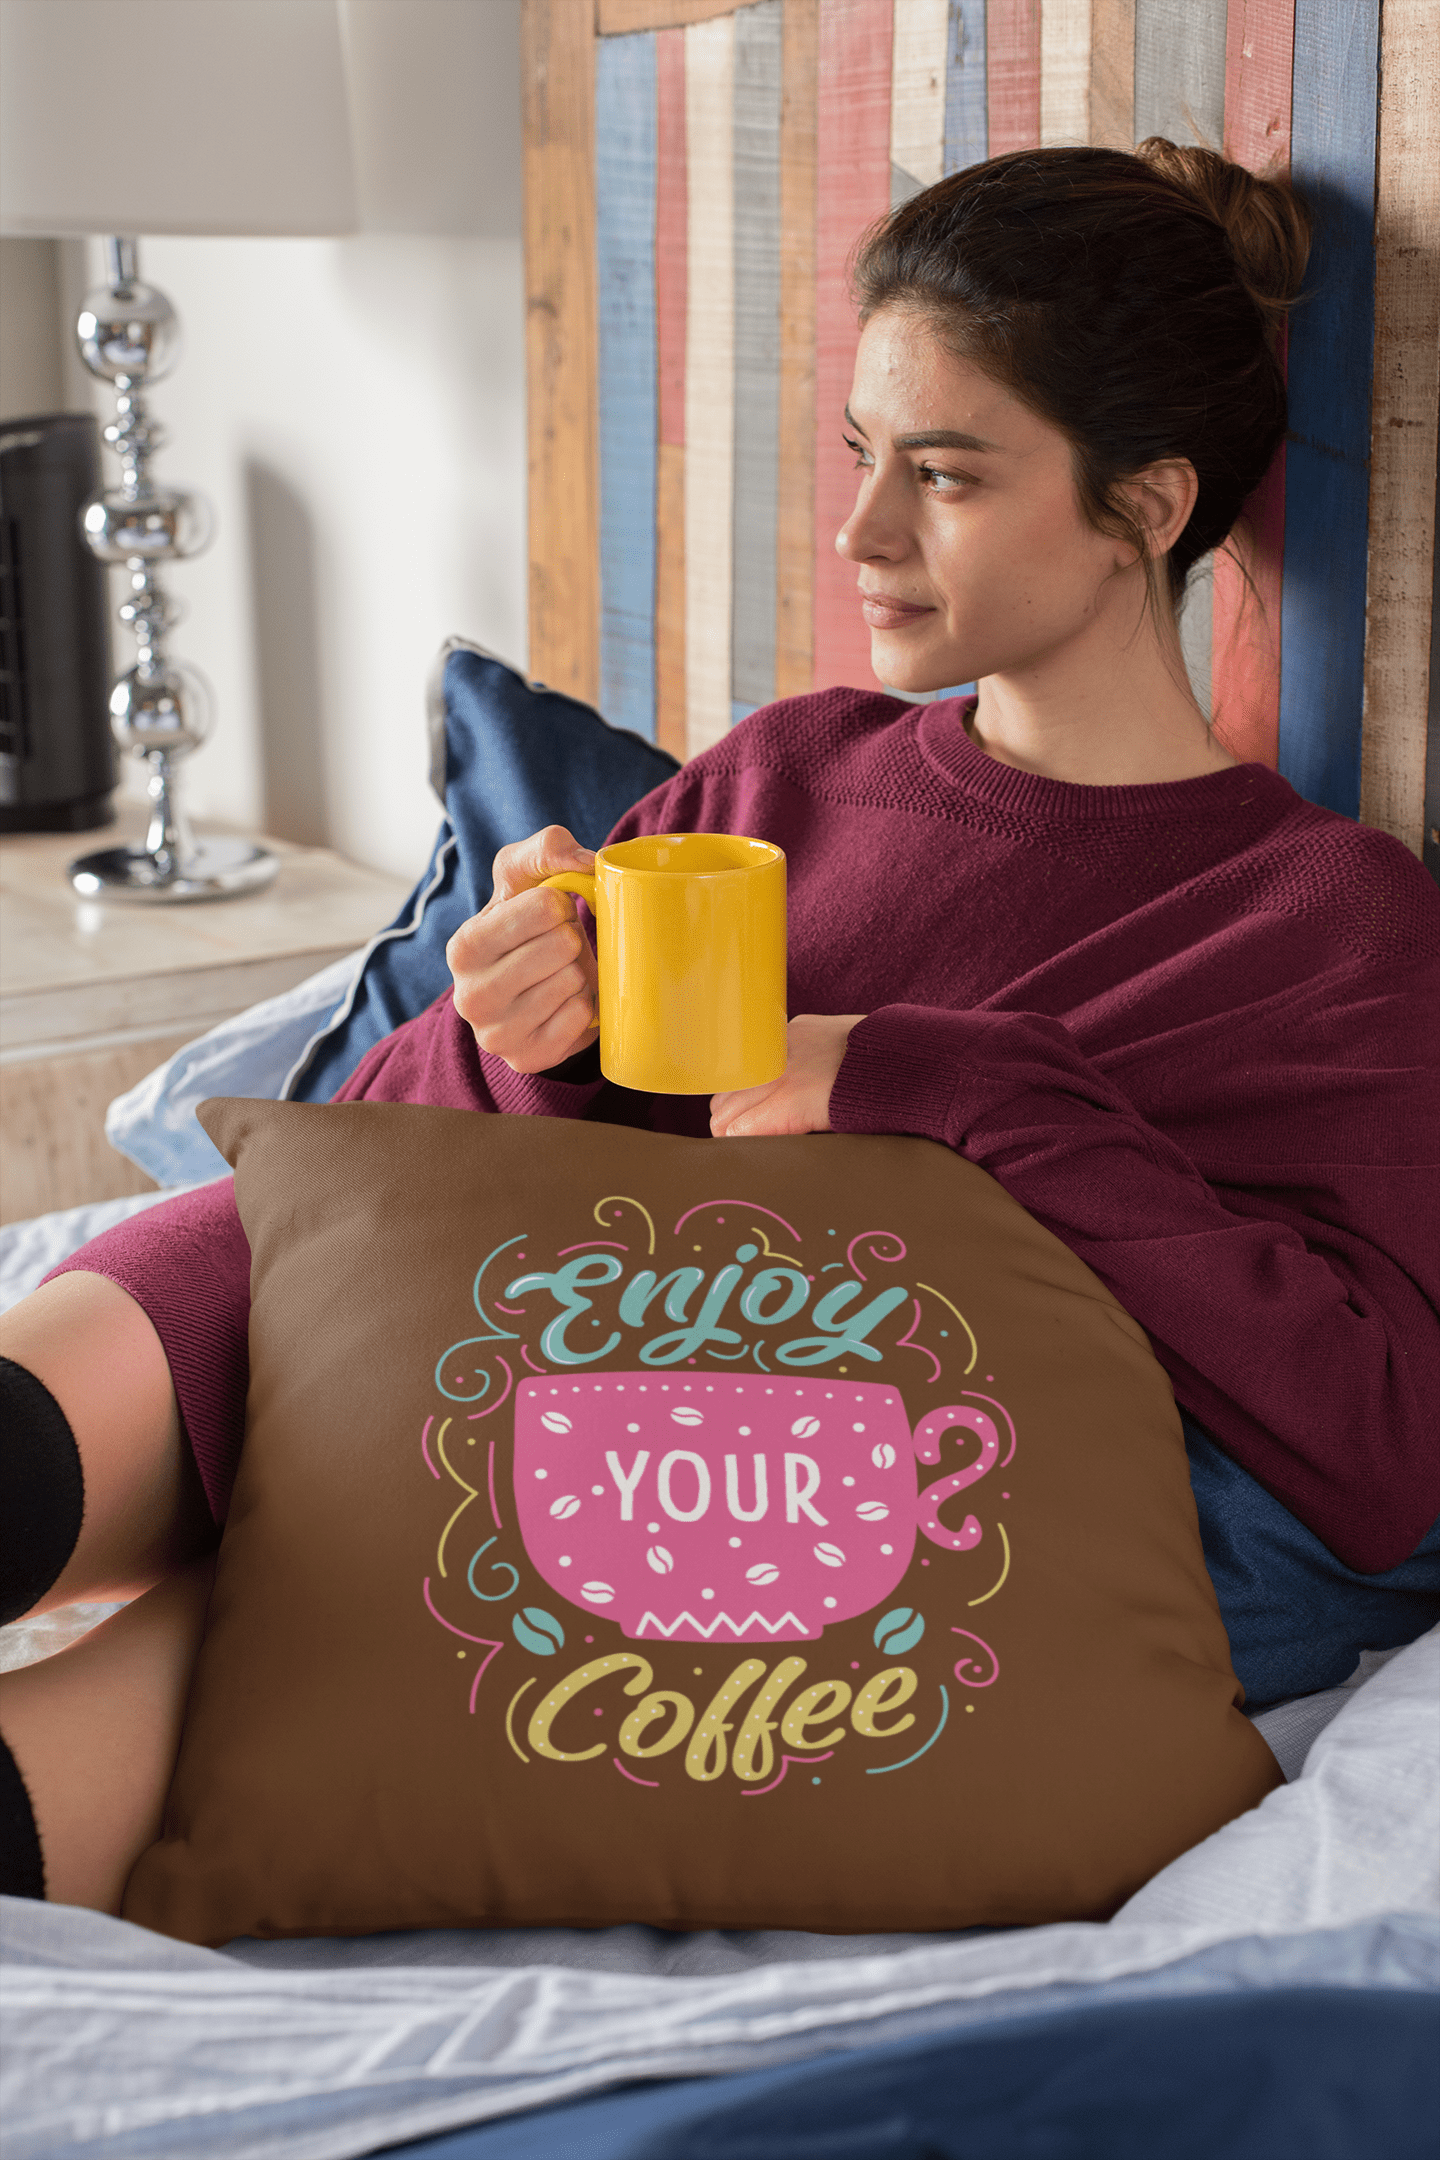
[732,1508]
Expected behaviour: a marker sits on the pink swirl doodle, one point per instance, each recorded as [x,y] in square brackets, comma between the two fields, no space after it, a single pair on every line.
[906,1344]
[494,1511]
[751,1204]
[967,1659]
[475,1683]
[653,1783]
[758,1792]
[424,1433]
[592,1244]
[875,1252]
[543,1370]
[483,1641]
[971,1396]
[509,1383]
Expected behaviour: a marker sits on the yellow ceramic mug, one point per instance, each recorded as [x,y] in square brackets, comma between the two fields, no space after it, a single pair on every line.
[691,949]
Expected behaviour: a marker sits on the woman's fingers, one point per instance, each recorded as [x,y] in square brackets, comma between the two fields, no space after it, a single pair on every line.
[516,1020]
[526,863]
[524,972]
[734,1103]
[799,1101]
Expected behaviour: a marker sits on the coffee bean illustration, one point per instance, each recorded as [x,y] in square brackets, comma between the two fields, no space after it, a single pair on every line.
[883,1455]
[830,1555]
[567,1505]
[537,1630]
[805,1428]
[764,1571]
[685,1414]
[899,1631]
[661,1559]
[555,1421]
[868,1511]
[598,1593]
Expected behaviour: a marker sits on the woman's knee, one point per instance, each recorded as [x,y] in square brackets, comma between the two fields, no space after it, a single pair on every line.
[103,1491]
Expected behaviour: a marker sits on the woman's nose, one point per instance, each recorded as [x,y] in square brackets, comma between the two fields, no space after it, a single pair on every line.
[869,534]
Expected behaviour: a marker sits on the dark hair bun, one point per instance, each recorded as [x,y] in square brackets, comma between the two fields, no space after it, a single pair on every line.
[1265,221]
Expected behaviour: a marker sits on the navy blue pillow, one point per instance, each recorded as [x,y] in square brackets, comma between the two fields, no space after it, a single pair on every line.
[1297,1617]
[505,759]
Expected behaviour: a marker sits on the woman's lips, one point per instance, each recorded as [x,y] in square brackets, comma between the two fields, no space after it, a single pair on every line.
[883,612]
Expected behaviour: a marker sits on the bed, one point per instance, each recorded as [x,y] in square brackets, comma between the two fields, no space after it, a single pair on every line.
[1273,1991]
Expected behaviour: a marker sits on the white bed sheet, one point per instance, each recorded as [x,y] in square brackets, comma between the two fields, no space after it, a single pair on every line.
[123,2043]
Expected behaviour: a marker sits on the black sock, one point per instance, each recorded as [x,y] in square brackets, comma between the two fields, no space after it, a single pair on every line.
[42,1490]
[22,1867]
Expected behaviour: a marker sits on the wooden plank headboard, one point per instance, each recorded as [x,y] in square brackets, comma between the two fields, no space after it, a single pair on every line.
[696,175]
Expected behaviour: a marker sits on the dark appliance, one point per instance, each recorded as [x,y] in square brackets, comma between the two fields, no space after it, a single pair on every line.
[57,755]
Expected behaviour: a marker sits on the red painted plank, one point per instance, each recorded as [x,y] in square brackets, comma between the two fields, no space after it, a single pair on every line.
[670,230]
[1245,668]
[853,189]
[1012,74]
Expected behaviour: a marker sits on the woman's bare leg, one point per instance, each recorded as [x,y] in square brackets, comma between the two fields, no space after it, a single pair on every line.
[95,1730]
[145,1512]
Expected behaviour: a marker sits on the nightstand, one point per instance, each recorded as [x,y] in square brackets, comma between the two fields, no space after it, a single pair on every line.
[94,996]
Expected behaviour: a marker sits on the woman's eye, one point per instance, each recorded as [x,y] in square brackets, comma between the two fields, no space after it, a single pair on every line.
[941,483]
[862,455]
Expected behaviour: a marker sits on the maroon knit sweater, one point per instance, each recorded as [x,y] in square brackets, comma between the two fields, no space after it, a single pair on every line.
[1193,1028]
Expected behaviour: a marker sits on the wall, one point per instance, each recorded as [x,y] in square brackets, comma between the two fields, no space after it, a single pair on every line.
[31,378]
[354,410]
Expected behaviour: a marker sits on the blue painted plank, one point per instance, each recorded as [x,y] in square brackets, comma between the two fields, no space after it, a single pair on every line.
[1327,465]
[967,140]
[628,383]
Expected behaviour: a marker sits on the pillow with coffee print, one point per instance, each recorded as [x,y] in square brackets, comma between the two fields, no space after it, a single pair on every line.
[783,1533]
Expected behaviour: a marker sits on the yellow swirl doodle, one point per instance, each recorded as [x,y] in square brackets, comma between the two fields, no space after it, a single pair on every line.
[1003,1572]
[624,1200]
[769,1252]
[974,1346]
[468,1490]
[510,1713]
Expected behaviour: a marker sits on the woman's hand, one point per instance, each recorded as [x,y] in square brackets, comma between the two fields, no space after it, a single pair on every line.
[524,972]
[799,1101]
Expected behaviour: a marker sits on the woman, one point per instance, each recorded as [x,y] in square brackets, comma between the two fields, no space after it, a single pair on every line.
[1175,1010]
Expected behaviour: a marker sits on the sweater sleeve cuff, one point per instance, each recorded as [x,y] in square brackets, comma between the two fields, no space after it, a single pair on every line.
[565,1091]
[899,1074]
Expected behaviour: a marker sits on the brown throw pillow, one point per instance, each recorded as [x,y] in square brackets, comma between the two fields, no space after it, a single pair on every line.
[775,1533]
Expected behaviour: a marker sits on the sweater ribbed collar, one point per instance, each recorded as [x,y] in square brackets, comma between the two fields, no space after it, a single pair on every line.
[1218,796]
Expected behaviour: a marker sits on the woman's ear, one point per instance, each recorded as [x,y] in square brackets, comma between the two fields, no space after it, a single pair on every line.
[1160,498]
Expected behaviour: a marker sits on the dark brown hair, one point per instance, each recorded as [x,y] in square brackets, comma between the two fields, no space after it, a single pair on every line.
[1133,302]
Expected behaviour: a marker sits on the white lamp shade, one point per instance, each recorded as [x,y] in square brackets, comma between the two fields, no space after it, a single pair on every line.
[174,116]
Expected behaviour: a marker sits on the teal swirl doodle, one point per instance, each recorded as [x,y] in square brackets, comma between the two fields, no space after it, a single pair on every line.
[457,1394]
[498,1334]
[493,1597]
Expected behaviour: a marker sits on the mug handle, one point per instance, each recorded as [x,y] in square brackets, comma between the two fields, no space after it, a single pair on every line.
[582,882]
[576,881]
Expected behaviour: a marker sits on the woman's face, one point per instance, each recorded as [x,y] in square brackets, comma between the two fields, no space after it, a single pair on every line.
[973,553]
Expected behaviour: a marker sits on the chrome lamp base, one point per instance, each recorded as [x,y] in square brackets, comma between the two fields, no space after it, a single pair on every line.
[160,709]
[213,870]
[172,864]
